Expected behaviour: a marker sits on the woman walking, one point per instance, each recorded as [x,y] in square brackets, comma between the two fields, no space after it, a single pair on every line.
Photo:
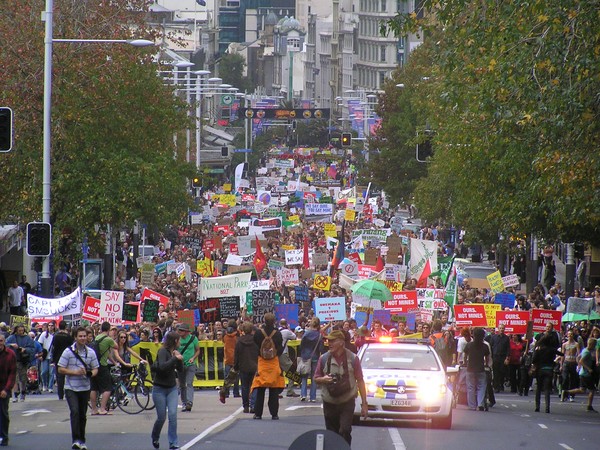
[543,367]
[311,347]
[477,357]
[164,394]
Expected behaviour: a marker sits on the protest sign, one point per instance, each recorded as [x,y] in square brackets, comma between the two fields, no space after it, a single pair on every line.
[505,300]
[322,282]
[263,302]
[19,320]
[490,313]
[318,209]
[511,280]
[130,312]
[287,277]
[470,315]
[350,215]
[230,285]
[515,322]
[540,317]
[260,284]
[495,281]
[431,299]
[301,293]
[111,307]
[320,259]
[402,301]
[229,307]
[187,316]
[330,230]
[150,310]
[384,316]
[330,308]
[294,257]
[44,307]
[288,312]
[91,309]
[210,310]
[150,294]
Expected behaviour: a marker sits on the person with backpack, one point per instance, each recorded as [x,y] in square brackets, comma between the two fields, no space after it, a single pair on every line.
[270,344]
[61,340]
[105,348]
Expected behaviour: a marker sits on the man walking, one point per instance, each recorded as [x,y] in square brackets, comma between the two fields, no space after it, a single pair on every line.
[500,345]
[8,373]
[24,348]
[47,374]
[337,367]
[78,363]
[16,298]
[189,349]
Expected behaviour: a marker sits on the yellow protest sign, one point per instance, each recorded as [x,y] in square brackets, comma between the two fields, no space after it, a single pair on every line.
[322,282]
[330,230]
[19,320]
[227,187]
[225,199]
[367,309]
[205,267]
[294,219]
[393,286]
[288,247]
[490,312]
[350,215]
[496,283]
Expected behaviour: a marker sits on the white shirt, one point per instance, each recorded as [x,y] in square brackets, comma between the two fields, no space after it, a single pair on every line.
[15,295]
[287,335]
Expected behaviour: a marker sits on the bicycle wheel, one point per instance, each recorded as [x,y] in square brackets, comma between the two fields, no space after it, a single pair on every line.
[143,395]
[126,400]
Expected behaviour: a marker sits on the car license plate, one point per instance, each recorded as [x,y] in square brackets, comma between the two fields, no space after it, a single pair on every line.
[401,403]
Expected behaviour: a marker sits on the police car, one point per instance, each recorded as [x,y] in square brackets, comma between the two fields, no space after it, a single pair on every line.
[405,380]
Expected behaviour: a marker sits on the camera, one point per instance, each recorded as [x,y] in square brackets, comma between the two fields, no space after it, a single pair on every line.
[335,377]
[88,373]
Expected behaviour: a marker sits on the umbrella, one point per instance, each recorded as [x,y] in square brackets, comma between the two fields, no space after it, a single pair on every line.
[372,289]
[576,317]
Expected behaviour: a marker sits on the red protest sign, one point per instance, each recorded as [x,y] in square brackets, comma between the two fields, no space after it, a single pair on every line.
[233,249]
[208,245]
[42,320]
[541,317]
[402,301]
[150,294]
[91,309]
[515,322]
[470,315]
[354,256]
[187,316]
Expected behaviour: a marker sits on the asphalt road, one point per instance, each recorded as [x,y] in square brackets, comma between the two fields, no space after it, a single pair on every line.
[42,422]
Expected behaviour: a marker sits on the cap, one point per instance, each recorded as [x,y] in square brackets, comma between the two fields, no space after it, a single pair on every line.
[337,334]
[183,327]
[299,329]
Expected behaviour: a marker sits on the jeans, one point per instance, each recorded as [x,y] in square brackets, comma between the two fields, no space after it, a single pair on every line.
[60,385]
[338,418]
[78,404]
[165,399]
[236,385]
[186,384]
[499,372]
[570,379]
[47,374]
[273,401]
[4,419]
[544,383]
[476,386]
[313,385]
[246,379]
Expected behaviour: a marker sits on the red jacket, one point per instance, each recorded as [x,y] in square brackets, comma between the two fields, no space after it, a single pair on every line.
[8,370]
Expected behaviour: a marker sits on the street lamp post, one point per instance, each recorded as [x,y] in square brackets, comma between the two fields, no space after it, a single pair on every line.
[47,285]
[199,74]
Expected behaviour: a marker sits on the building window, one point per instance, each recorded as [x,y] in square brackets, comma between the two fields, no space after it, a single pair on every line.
[383,5]
[382,53]
[381,79]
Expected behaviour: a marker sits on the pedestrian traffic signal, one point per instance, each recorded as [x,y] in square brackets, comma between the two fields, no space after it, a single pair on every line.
[346,139]
[39,239]
[6,125]
[225,152]
[196,182]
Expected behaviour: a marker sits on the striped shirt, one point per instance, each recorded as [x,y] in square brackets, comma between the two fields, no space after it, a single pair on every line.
[70,361]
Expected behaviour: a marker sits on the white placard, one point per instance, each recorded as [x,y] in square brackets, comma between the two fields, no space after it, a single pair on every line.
[293,257]
[46,307]
[111,307]
[288,276]
[330,308]
[318,209]
[511,280]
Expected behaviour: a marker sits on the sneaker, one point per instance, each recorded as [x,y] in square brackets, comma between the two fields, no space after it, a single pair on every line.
[313,401]
[22,398]
[76,445]
[51,391]
[302,399]
[83,446]
[173,447]
[15,399]
[292,394]
[571,398]
[590,409]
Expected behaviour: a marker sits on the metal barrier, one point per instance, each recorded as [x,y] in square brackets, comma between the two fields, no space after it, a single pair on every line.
[211,370]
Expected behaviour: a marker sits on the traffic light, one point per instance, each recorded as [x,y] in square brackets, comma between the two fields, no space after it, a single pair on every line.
[39,239]
[225,152]
[196,182]
[346,139]
[6,125]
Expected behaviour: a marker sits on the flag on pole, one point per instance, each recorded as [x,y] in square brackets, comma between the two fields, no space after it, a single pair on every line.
[423,260]
[260,261]
[444,271]
[379,266]
[338,256]
[306,259]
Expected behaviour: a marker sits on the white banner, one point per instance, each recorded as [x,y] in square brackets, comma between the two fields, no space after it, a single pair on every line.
[423,258]
[45,307]
[293,257]
[236,260]
[318,209]
[288,277]
[227,286]
[111,307]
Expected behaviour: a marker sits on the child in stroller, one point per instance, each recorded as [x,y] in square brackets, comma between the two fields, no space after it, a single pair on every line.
[33,381]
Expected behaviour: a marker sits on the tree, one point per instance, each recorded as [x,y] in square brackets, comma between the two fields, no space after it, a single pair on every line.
[515,97]
[231,70]
[113,121]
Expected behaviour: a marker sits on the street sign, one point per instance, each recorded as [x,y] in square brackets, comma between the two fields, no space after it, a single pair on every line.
[242,150]
[227,99]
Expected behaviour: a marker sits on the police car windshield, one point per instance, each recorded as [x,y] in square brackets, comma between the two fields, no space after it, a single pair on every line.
[396,359]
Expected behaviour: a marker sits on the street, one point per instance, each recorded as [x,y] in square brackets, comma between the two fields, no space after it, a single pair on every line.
[43,422]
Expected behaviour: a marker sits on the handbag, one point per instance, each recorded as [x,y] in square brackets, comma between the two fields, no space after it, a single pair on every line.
[304,366]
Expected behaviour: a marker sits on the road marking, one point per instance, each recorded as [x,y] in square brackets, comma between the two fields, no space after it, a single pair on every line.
[294,408]
[565,446]
[210,429]
[31,412]
[23,432]
[42,425]
[397,439]
[541,425]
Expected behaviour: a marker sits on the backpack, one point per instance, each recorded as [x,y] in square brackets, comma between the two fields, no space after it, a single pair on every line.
[95,346]
[267,348]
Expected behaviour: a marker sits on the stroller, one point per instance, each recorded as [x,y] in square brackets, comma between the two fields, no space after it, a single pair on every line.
[33,381]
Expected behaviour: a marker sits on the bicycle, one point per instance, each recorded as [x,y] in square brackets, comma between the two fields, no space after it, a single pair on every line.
[141,387]
[127,388]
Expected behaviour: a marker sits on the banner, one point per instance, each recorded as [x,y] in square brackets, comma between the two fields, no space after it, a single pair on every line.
[230,285]
[403,301]
[318,209]
[294,257]
[330,308]
[263,302]
[150,294]
[423,260]
[540,317]
[239,170]
[470,315]
[111,307]
[44,307]
[288,312]
[515,322]
[91,309]
[131,312]
[205,267]
[301,294]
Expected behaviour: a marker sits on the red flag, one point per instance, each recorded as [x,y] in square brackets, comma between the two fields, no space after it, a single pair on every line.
[380,265]
[422,283]
[260,261]
[306,260]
